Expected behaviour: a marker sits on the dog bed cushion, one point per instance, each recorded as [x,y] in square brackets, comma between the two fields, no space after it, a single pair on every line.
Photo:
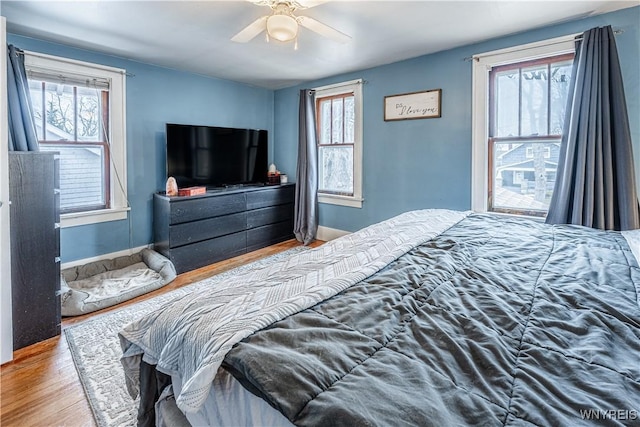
[101,284]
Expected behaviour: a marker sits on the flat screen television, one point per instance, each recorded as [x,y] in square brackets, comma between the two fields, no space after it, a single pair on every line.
[216,156]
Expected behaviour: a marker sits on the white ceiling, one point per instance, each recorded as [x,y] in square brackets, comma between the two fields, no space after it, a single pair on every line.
[195,35]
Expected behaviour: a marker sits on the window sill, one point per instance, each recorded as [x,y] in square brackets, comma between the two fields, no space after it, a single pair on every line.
[92,217]
[334,199]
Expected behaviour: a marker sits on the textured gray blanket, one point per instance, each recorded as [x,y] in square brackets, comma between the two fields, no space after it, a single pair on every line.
[190,336]
[495,322]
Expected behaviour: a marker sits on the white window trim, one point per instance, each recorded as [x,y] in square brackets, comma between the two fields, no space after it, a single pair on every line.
[482,64]
[354,86]
[117,133]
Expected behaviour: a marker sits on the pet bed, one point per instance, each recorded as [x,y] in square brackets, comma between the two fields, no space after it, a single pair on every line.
[101,284]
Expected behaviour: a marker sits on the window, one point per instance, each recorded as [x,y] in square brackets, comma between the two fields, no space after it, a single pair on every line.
[79,112]
[519,106]
[73,120]
[339,128]
[526,115]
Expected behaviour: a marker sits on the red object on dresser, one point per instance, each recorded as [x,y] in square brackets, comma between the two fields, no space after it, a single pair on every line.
[192,191]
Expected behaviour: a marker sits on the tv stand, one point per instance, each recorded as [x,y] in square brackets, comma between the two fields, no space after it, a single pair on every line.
[195,231]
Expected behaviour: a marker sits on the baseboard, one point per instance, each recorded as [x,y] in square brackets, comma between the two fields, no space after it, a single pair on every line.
[327,233]
[84,261]
[324,233]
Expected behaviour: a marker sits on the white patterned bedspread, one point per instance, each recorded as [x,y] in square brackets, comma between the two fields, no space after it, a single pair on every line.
[190,336]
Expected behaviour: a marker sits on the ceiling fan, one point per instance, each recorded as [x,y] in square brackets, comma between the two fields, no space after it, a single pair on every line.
[282,25]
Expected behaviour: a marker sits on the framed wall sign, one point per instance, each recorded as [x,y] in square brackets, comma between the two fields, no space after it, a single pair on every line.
[414,105]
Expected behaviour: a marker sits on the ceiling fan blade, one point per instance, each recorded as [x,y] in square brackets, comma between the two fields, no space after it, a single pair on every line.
[260,2]
[306,4]
[251,30]
[323,29]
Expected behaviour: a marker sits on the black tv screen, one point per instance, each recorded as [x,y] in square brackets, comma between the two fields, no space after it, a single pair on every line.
[216,156]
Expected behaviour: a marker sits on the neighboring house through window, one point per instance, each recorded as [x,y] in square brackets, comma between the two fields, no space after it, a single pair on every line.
[79,112]
[520,98]
[339,128]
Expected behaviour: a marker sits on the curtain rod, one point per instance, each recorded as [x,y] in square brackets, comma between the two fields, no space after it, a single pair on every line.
[342,84]
[471,58]
[58,58]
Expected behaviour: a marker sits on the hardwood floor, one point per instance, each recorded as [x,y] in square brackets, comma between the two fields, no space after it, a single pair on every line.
[40,387]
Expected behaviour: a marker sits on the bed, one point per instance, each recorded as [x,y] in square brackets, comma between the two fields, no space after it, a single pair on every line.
[433,317]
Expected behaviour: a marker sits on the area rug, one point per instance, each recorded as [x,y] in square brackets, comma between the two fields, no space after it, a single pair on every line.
[96,351]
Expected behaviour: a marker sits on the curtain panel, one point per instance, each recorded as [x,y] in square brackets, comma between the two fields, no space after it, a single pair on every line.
[306,200]
[595,184]
[22,130]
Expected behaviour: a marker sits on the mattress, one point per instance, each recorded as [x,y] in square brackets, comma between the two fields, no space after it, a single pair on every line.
[229,404]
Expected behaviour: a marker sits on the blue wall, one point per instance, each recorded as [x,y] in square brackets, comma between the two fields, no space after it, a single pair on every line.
[407,164]
[155,96]
[427,163]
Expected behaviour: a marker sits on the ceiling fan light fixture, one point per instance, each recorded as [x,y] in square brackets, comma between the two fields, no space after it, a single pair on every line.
[283,28]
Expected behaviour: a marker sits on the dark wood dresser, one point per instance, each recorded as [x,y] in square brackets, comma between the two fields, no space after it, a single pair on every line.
[199,230]
[35,246]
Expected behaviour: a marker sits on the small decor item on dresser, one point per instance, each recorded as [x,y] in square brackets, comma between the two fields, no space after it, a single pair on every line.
[283,178]
[171,188]
[273,179]
[273,175]
[192,191]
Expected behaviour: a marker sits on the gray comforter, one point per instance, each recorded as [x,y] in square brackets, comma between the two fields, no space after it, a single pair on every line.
[494,322]
[189,336]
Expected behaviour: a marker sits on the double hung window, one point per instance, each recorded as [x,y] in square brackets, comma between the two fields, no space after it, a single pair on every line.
[527,108]
[339,130]
[519,102]
[72,118]
[78,111]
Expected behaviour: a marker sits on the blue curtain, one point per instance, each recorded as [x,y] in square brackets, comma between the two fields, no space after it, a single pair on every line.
[595,184]
[22,131]
[306,201]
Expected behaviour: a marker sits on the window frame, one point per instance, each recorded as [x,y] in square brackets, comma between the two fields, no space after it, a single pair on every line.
[331,99]
[76,143]
[482,65]
[355,87]
[520,138]
[116,173]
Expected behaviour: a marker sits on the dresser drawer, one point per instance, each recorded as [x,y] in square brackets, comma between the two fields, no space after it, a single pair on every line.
[205,207]
[269,234]
[270,197]
[196,255]
[204,229]
[271,215]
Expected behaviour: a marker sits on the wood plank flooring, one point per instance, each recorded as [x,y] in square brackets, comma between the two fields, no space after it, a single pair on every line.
[41,388]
